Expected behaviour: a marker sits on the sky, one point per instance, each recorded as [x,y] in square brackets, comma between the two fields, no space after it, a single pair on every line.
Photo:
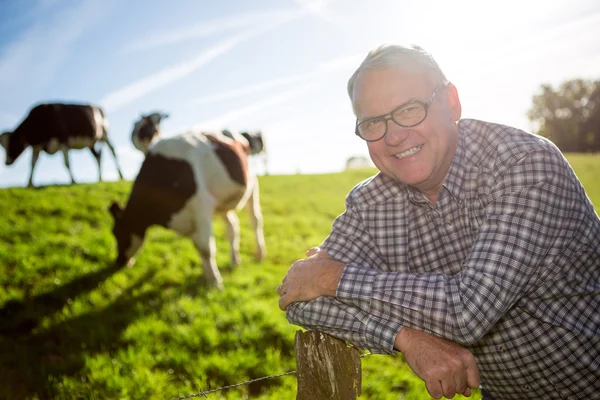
[279,66]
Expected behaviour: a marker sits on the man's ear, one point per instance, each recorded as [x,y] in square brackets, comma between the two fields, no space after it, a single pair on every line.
[454,102]
[116,211]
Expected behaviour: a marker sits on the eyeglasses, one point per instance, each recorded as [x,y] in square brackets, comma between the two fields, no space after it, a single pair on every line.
[406,115]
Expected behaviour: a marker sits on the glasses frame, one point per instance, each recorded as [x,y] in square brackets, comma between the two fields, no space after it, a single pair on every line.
[389,116]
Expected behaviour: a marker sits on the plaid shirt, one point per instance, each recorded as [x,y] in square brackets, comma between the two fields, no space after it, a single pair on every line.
[507,264]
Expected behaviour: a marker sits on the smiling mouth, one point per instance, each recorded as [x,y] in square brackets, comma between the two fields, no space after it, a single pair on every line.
[409,152]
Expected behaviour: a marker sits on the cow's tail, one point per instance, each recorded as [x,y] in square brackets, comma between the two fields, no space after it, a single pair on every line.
[101,124]
[102,134]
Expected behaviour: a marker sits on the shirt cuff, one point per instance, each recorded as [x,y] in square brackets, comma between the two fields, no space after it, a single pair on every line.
[381,334]
[356,286]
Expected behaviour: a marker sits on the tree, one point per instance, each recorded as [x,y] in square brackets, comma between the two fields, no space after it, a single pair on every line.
[570,115]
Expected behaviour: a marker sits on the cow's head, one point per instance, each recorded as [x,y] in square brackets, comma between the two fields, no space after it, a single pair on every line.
[146,129]
[128,243]
[255,139]
[13,145]
[156,117]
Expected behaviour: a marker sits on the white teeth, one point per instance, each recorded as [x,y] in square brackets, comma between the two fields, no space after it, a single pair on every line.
[409,152]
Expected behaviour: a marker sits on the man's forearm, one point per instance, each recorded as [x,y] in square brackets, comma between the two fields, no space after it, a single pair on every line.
[329,315]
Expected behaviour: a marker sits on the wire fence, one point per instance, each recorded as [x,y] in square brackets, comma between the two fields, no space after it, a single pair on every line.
[207,392]
[232,386]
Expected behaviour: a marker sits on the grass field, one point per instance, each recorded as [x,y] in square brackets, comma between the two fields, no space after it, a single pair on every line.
[72,326]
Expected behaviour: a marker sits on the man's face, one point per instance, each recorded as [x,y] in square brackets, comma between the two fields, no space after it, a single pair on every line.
[418,156]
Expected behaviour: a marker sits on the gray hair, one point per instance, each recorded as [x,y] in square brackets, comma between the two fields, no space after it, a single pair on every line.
[412,58]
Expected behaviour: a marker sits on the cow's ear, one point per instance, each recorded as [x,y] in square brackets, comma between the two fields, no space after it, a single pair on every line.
[164,115]
[4,140]
[116,211]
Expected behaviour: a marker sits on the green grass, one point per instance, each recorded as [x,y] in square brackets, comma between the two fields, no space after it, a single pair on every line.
[587,168]
[72,326]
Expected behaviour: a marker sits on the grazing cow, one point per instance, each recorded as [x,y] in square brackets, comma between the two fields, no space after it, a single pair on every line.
[183,182]
[146,130]
[53,127]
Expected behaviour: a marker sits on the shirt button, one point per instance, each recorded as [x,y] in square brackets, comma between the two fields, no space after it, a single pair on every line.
[526,387]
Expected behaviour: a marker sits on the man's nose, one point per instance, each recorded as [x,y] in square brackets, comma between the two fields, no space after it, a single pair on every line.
[395,133]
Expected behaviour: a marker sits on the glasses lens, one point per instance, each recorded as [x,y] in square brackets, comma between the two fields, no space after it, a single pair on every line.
[372,129]
[409,115]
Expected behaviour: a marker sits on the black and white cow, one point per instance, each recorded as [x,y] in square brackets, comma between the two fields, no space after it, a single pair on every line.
[146,130]
[54,127]
[183,182]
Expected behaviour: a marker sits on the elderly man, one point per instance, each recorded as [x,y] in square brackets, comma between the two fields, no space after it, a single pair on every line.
[474,251]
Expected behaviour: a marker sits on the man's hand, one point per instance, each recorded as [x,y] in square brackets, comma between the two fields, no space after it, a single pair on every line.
[446,367]
[315,276]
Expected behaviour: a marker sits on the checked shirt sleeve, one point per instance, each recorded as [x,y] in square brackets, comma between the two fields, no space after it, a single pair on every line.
[534,207]
[348,242]
[329,315]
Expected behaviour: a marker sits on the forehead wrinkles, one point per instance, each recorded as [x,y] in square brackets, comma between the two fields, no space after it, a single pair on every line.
[378,92]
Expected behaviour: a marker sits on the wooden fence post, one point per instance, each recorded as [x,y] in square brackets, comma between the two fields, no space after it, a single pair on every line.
[326,368]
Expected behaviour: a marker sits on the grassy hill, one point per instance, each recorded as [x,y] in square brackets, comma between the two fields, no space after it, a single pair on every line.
[72,326]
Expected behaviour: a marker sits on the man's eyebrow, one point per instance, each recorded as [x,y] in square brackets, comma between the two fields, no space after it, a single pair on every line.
[407,102]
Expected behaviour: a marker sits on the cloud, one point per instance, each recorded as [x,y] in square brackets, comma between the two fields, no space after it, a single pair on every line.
[126,95]
[321,70]
[227,118]
[35,58]
[246,90]
[317,8]
[575,29]
[208,28]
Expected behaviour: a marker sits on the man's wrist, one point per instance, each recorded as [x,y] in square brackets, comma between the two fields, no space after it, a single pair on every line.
[401,338]
[331,278]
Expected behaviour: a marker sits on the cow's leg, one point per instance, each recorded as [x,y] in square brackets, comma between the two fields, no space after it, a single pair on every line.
[97,155]
[256,219]
[34,158]
[204,240]
[112,150]
[65,151]
[232,223]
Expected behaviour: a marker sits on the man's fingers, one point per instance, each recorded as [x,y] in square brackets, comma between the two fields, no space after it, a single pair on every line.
[318,252]
[312,251]
[280,290]
[449,388]
[472,375]
[283,303]
[434,388]
[460,381]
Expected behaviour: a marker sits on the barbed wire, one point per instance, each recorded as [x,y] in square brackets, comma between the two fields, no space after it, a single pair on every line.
[207,392]
[232,386]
